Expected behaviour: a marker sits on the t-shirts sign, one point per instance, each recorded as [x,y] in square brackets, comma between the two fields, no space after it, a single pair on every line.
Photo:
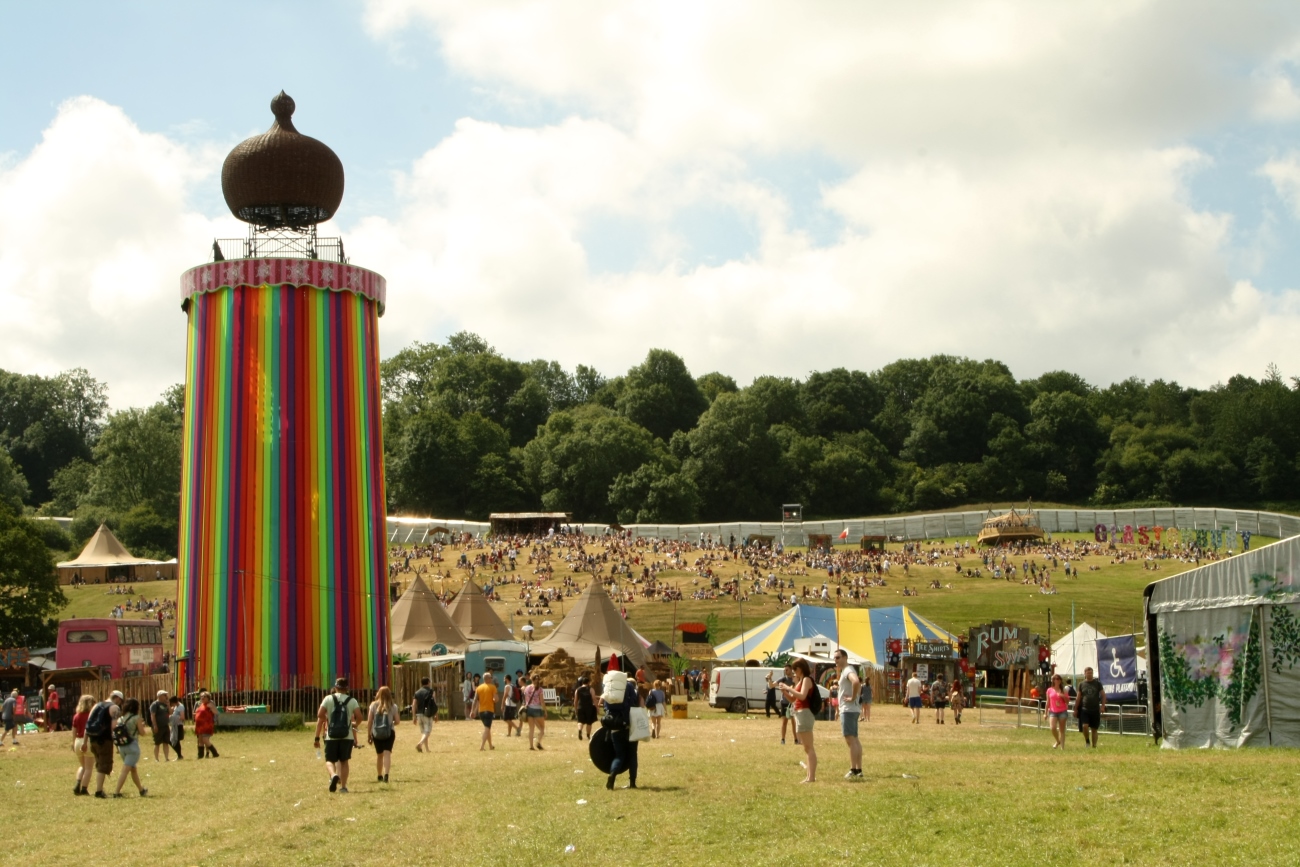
[1117,667]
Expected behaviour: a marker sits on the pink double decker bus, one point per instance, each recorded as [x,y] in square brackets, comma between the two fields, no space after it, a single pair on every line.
[119,648]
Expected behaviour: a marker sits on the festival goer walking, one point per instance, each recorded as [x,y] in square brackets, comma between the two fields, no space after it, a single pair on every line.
[205,724]
[381,726]
[584,703]
[850,689]
[128,728]
[510,697]
[424,710]
[939,698]
[535,708]
[654,703]
[337,719]
[81,746]
[1089,706]
[159,724]
[485,703]
[176,724]
[1058,706]
[616,720]
[955,699]
[864,701]
[913,693]
[8,718]
[99,730]
[798,696]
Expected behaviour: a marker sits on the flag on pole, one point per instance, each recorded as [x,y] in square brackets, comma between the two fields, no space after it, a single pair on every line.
[844,534]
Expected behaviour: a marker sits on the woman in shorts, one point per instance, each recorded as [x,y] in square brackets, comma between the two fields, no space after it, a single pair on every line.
[797,695]
[130,751]
[383,740]
[535,710]
[81,745]
[1058,706]
[176,723]
[656,705]
[584,703]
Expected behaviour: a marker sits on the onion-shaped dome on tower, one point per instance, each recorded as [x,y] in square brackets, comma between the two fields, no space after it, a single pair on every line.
[282,178]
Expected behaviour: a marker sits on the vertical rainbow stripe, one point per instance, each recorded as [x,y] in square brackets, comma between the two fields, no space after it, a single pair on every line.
[282,566]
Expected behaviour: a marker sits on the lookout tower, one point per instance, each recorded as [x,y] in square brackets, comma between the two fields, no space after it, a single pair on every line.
[282,564]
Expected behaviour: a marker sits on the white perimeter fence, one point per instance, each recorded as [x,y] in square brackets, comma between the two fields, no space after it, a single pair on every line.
[942,525]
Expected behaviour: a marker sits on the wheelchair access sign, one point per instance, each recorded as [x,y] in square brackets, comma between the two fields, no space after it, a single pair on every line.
[1117,668]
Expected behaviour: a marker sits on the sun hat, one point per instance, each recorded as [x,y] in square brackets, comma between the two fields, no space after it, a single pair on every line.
[116,694]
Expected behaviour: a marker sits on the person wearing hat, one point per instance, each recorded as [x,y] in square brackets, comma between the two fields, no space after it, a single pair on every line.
[8,714]
[159,714]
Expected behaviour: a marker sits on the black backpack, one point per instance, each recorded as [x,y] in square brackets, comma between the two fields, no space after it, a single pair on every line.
[100,723]
[124,730]
[650,700]
[815,699]
[340,727]
[428,704]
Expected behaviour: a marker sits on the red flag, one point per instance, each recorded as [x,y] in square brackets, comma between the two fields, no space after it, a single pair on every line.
[844,534]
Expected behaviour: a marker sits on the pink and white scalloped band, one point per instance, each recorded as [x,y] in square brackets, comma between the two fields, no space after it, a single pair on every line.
[279,272]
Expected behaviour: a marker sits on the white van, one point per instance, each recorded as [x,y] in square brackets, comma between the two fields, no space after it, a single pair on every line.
[741,689]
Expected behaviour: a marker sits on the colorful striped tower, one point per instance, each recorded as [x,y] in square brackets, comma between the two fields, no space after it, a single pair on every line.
[282,561]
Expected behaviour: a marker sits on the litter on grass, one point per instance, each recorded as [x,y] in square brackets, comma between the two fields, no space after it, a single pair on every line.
[581,801]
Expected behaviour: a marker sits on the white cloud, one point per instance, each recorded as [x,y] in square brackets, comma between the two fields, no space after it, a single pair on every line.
[1017,185]
[94,234]
[1284,173]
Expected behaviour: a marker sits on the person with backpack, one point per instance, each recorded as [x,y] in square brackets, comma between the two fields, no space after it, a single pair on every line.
[654,704]
[336,718]
[535,708]
[126,737]
[99,731]
[9,717]
[615,718]
[807,702]
[584,703]
[381,724]
[424,710]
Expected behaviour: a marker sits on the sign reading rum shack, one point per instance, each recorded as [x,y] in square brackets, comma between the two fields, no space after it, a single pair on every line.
[999,645]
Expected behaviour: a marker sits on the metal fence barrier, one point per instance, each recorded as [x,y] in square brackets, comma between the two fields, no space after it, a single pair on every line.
[1128,719]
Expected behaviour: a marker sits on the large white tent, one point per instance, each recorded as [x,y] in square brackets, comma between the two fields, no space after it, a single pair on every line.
[1223,643]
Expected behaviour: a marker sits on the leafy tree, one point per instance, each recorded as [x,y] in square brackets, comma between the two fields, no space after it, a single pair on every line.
[138,460]
[13,487]
[30,597]
[660,395]
[778,398]
[713,384]
[1065,440]
[735,460]
[587,383]
[442,465]
[951,421]
[69,486]
[45,422]
[840,401]
[655,493]
[578,455]
[900,385]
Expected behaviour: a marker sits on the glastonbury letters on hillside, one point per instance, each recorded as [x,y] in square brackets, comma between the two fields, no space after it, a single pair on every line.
[1117,661]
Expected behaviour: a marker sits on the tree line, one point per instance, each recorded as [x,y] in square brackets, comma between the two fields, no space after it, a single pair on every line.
[468,431]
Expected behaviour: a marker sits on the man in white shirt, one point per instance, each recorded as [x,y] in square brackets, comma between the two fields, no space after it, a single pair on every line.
[913,692]
[850,693]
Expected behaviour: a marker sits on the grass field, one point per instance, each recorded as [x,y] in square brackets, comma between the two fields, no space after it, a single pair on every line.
[1109,598]
[720,789]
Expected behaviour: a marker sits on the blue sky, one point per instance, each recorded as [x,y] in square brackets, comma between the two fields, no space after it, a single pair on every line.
[760,188]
